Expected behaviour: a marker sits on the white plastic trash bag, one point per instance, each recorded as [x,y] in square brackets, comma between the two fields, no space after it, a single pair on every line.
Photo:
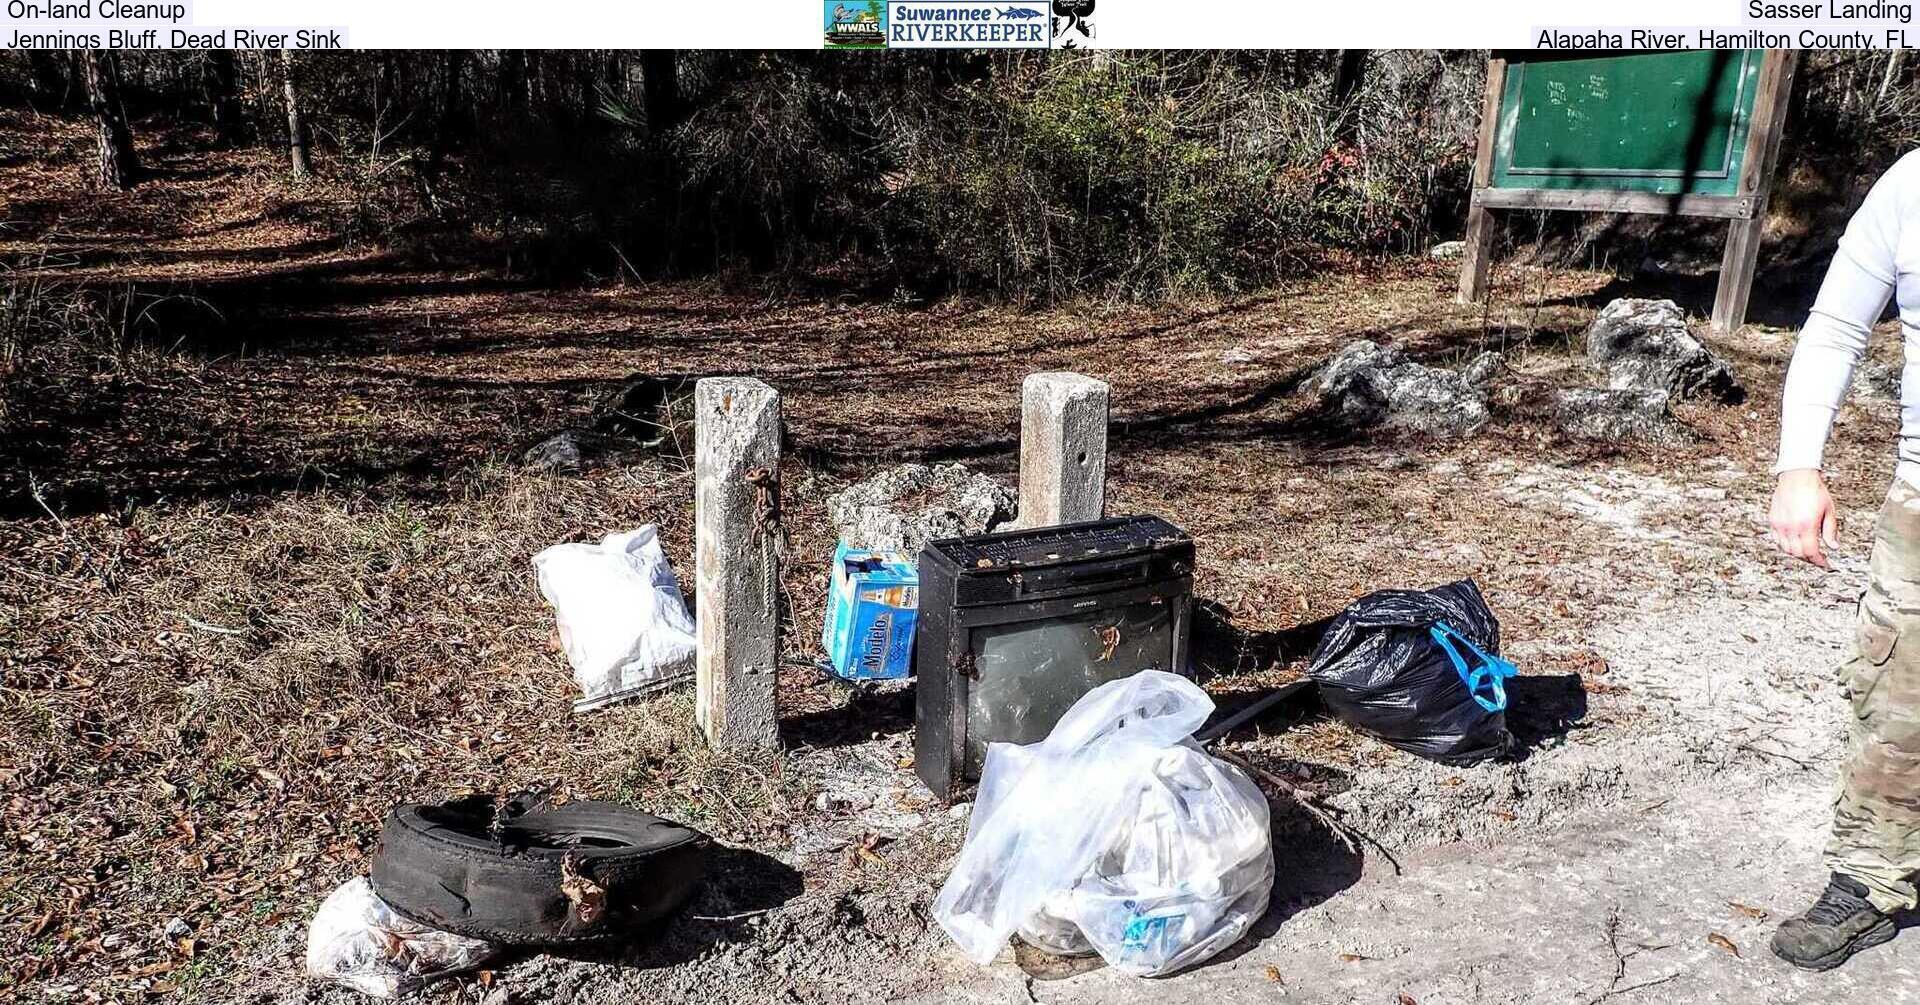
[622,619]
[358,941]
[1116,833]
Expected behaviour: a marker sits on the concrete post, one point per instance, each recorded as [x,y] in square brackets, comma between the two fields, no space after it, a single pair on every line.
[1063,449]
[736,512]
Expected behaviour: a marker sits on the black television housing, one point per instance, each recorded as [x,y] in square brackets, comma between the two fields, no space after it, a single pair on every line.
[1016,627]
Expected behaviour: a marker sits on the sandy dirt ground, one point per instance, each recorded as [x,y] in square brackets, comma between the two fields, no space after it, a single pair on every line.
[1645,854]
[267,576]
[1663,853]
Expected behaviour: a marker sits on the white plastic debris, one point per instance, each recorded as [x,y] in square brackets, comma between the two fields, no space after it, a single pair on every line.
[1116,833]
[622,618]
[356,940]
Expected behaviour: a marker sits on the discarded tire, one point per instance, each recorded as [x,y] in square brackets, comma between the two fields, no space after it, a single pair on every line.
[535,875]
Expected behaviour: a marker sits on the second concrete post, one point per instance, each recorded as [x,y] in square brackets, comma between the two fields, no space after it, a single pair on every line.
[1063,449]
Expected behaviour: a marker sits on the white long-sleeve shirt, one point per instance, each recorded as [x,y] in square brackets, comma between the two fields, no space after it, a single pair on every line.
[1879,256]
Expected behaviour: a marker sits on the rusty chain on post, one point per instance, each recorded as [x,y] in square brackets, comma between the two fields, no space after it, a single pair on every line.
[767,528]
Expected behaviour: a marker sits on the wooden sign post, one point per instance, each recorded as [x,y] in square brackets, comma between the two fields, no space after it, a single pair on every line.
[1694,133]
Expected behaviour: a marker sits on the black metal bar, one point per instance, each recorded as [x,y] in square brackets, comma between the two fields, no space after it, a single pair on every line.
[1253,711]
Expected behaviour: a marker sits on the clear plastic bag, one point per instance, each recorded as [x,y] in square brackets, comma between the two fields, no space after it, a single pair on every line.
[356,940]
[623,620]
[1115,833]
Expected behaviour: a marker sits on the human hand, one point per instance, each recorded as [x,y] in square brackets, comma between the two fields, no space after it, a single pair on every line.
[1802,515]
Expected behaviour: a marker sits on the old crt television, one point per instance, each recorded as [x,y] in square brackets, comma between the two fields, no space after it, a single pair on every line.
[1015,627]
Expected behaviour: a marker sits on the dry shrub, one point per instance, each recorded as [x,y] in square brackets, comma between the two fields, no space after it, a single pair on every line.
[1138,175]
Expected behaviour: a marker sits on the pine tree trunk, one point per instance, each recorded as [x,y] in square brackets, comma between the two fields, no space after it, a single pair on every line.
[389,82]
[49,79]
[452,103]
[617,73]
[583,84]
[224,81]
[1886,81]
[660,89]
[296,125]
[1349,72]
[119,164]
[512,84]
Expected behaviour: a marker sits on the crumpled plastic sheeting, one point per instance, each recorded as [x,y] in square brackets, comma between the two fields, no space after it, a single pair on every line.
[356,940]
[1116,832]
[623,620]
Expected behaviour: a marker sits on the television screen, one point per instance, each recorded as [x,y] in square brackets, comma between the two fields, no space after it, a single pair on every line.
[1031,672]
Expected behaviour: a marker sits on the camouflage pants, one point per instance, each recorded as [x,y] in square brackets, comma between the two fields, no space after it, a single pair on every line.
[1876,822]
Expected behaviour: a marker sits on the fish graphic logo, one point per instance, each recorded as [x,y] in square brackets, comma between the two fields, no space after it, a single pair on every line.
[1020,13]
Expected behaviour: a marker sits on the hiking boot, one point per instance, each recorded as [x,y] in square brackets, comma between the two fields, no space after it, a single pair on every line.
[1838,925]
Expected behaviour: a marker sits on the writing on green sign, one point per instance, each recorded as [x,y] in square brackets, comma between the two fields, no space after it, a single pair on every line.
[1666,122]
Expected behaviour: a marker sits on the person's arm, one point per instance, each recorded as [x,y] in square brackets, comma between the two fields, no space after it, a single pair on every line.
[1831,344]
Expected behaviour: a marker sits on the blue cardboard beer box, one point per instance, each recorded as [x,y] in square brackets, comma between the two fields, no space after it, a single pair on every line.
[872,607]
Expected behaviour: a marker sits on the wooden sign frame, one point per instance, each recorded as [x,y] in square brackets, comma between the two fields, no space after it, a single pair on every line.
[1746,211]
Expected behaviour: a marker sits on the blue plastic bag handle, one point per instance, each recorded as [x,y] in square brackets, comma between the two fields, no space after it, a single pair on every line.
[1491,672]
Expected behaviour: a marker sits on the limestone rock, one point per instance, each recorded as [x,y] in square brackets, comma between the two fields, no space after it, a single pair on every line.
[1367,385]
[569,451]
[904,507]
[1614,415]
[1447,251]
[1876,381]
[1483,369]
[1645,345]
[651,409]
[644,413]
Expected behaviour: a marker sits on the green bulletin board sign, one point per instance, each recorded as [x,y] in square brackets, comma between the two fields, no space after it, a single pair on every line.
[1671,133]
[1666,122]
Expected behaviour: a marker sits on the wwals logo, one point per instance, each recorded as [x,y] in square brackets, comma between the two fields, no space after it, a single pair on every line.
[858,25]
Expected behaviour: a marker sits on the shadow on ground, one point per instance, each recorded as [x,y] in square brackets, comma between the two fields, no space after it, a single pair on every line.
[291,371]
[1222,648]
[870,710]
[1311,863]
[741,885]
[1542,709]
[1780,298]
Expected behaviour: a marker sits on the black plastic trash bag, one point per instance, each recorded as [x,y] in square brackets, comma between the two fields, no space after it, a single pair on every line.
[1420,669]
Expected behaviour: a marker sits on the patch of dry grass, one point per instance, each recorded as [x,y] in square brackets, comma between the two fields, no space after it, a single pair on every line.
[206,711]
